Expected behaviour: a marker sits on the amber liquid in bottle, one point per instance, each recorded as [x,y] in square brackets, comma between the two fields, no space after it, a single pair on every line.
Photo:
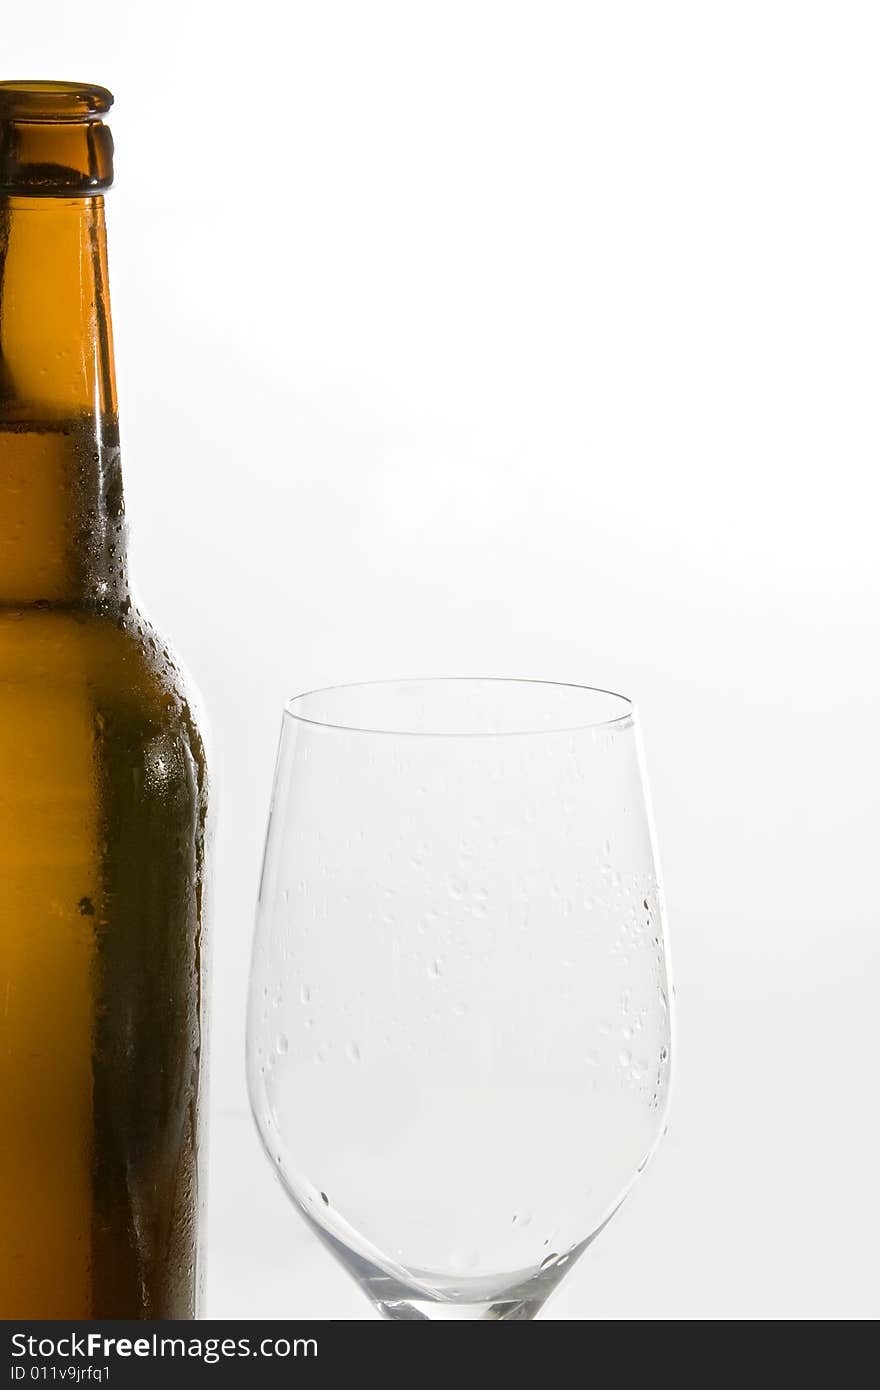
[102,785]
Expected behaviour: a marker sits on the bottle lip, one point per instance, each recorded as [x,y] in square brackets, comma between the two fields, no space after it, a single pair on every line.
[38,101]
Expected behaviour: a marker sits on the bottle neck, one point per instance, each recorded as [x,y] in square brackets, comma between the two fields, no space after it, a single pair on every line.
[62,536]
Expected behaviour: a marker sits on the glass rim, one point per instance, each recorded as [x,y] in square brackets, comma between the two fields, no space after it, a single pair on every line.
[564,727]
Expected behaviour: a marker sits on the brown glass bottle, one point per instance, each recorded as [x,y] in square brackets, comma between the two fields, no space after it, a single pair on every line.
[102,784]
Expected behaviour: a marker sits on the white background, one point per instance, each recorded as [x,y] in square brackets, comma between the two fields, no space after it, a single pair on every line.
[536,339]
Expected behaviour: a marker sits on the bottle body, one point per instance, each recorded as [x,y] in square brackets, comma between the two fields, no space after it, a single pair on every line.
[103,814]
[102,842]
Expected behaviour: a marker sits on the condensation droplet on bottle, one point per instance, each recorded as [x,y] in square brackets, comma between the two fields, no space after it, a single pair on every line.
[435,969]
[305,995]
[282,1045]
[457,888]
[353,1052]
[625,1058]
[325,1199]
[549,1260]
[664,1054]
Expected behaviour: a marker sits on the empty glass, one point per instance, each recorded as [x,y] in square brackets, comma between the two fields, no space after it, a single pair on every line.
[459,1014]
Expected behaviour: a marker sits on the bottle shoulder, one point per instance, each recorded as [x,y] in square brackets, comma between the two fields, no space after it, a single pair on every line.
[117,662]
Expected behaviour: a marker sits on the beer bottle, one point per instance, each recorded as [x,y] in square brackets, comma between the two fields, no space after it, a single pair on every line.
[103,791]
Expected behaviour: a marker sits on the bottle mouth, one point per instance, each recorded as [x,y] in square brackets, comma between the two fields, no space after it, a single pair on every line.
[53,141]
[53,101]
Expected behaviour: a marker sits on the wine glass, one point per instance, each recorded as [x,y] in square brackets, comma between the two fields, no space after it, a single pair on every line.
[458,1043]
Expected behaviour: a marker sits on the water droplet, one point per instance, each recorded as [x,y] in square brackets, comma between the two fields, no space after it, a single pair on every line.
[325,1199]
[282,1044]
[603,1026]
[549,1260]
[664,1054]
[457,888]
[435,969]
[305,994]
[353,1052]
[625,1058]
[286,895]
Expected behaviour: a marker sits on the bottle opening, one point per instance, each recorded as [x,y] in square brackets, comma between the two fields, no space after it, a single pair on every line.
[53,142]
[53,101]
